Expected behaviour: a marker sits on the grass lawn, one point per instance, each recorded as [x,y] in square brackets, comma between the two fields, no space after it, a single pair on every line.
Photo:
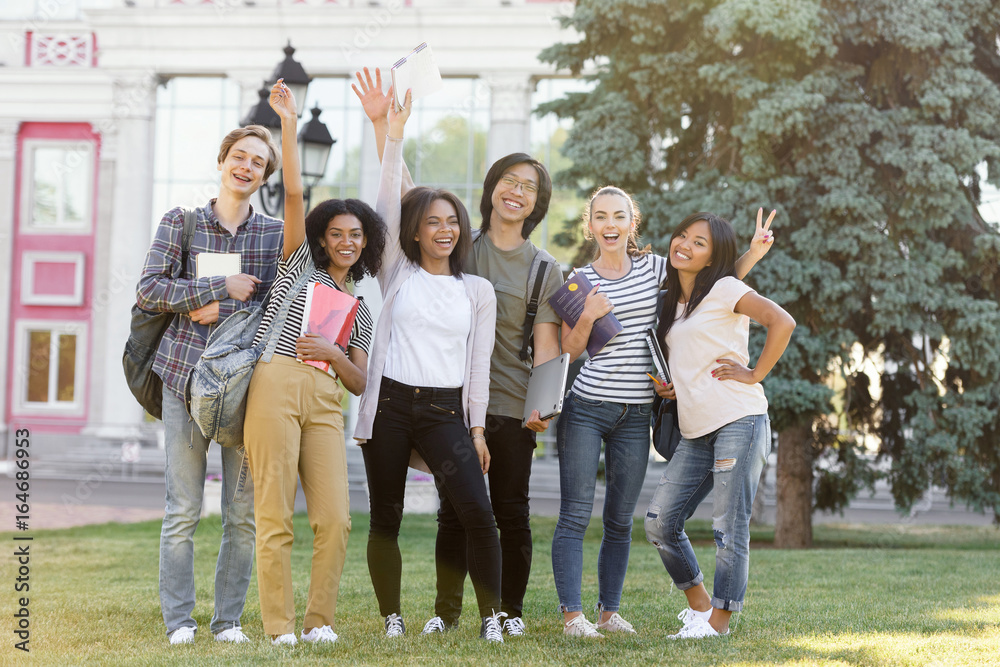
[867,595]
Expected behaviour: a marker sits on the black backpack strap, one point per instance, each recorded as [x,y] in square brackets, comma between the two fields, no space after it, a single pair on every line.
[540,265]
[660,302]
[187,235]
[471,265]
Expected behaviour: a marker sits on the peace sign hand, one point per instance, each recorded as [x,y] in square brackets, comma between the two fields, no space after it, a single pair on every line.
[375,102]
[763,237]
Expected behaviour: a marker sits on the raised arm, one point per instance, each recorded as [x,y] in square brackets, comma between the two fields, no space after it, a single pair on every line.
[387,205]
[763,239]
[283,103]
[377,105]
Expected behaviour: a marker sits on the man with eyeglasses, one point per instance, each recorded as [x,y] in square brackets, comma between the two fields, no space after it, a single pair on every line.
[516,194]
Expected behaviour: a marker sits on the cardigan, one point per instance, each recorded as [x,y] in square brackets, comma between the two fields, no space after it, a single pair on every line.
[396,269]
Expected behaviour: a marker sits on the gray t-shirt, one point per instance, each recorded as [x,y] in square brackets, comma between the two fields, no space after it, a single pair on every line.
[508,271]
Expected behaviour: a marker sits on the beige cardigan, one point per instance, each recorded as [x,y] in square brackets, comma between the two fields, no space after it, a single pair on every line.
[396,269]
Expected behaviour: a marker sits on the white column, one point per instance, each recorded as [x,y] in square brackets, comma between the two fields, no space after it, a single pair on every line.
[8,145]
[510,115]
[123,238]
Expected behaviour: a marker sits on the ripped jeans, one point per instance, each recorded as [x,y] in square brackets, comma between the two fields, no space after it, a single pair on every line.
[730,459]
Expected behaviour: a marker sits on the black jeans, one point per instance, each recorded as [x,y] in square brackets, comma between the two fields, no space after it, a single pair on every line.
[511,450]
[429,420]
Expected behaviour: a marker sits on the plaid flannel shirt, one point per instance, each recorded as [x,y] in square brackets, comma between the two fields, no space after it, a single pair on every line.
[166,286]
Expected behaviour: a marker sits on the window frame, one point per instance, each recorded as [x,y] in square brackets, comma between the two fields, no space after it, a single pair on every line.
[21,404]
[30,258]
[27,225]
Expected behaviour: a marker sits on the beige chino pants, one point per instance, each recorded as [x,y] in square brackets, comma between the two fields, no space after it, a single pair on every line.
[295,429]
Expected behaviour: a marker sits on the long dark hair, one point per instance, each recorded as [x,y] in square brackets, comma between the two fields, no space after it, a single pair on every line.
[413,209]
[370,260]
[542,198]
[723,264]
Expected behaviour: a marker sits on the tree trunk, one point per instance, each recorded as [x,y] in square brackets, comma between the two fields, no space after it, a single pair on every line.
[793,519]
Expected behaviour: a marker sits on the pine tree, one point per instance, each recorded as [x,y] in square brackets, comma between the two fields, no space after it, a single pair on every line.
[871,126]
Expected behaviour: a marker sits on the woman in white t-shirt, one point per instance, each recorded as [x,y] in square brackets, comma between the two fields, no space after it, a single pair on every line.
[610,403]
[722,411]
[431,355]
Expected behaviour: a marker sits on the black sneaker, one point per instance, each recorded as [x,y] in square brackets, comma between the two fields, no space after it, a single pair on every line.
[394,626]
[490,630]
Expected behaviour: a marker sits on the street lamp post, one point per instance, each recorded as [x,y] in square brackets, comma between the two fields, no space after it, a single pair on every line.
[315,141]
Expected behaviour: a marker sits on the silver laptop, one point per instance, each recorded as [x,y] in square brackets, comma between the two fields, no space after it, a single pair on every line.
[546,388]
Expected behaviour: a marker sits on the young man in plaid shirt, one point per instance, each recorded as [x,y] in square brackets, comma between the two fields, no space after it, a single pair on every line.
[227,224]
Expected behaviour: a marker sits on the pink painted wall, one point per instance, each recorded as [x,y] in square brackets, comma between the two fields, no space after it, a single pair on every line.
[59,242]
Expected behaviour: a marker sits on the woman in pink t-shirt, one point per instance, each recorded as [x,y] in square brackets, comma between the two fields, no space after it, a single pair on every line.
[722,410]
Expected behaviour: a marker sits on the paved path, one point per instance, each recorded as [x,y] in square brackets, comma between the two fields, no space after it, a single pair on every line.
[58,515]
[61,503]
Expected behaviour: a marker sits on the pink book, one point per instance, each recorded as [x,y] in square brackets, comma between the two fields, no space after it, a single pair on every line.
[330,313]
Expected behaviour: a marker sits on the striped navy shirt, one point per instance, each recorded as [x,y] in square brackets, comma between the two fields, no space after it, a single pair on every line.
[618,372]
[288,272]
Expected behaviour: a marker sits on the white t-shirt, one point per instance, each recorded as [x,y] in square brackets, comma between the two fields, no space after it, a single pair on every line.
[431,321]
[713,331]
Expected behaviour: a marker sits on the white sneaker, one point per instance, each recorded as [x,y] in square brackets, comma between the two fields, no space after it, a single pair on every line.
[581,627]
[231,635]
[490,629]
[283,640]
[323,635]
[514,627]
[394,626]
[698,628]
[616,624]
[436,624]
[688,615]
[183,635]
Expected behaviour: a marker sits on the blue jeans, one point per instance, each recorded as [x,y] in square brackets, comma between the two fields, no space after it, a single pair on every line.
[733,455]
[624,428]
[187,456]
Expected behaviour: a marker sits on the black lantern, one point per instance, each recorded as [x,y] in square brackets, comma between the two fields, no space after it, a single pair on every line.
[314,138]
[315,143]
[262,114]
[294,75]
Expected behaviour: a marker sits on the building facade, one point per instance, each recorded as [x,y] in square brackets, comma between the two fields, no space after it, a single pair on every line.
[112,114]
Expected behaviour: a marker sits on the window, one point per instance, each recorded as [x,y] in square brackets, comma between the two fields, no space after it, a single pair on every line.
[548,134]
[193,114]
[49,371]
[59,179]
[446,145]
[346,121]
